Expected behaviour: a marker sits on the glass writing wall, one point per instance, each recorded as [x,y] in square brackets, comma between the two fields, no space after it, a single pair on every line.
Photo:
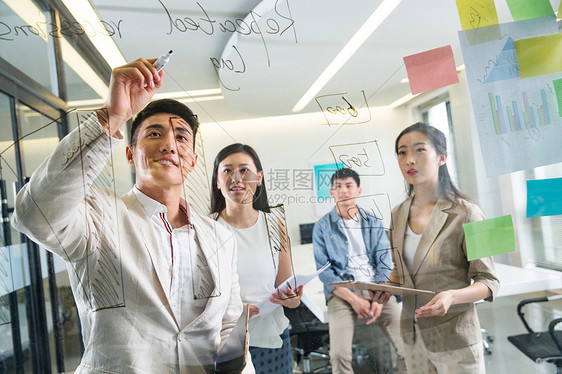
[263,60]
[26,26]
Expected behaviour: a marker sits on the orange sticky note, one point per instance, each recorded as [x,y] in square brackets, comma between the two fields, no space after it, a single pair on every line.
[431,69]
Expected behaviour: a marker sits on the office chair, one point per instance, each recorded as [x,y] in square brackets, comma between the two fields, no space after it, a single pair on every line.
[306,232]
[487,341]
[312,337]
[545,346]
[310,344]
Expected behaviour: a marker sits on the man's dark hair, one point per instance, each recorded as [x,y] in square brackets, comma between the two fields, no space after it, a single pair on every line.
[345,173]
[164,106]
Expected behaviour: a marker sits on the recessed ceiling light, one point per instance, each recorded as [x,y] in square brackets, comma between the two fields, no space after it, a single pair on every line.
[356,41]
[83,12]
[31,14]
[210,94]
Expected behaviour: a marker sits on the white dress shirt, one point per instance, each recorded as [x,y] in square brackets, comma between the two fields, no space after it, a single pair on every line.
[180,249]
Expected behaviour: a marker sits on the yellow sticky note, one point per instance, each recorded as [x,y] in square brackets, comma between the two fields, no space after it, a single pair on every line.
[477,13]
[539,56]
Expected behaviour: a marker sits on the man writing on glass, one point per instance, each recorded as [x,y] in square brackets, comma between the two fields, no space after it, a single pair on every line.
[155,284]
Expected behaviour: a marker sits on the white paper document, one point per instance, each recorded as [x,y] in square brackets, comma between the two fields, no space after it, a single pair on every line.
[517,118]
[295,281]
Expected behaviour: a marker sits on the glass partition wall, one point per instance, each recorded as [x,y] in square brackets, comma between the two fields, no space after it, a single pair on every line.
[39,329]
[39,325]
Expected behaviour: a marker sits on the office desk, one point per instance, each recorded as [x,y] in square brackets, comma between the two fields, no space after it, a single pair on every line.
[513,280]
[313,295]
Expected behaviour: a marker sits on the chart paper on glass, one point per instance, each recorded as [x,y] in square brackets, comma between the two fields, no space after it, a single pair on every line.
[517,118]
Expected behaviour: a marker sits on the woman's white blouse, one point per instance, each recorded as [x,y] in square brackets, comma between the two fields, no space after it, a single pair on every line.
[411,242]
[257,271]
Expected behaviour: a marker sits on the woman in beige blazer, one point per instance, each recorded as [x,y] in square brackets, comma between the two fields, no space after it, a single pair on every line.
[441,331]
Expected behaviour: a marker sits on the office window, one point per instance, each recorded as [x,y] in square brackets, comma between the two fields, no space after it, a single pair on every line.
[545,232]
[26,27]
[84,87]
[39,330]
[8,168]
[40,138]
[437,113]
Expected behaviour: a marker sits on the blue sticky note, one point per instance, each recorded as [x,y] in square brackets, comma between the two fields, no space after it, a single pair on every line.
[544,197]
[323,174]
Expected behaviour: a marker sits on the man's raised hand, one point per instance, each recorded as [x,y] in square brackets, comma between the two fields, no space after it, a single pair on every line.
[131,87]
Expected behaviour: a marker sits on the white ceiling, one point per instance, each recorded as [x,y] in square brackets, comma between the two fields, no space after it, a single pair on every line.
[296,57]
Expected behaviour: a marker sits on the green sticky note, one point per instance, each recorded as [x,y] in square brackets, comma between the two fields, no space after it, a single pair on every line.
[489,237]
[525,9]
[558,89]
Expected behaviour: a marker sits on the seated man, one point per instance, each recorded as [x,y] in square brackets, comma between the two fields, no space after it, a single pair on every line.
[356,245]
[155,284]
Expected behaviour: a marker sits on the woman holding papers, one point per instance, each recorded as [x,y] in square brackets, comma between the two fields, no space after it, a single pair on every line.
[239,202]
[441,331]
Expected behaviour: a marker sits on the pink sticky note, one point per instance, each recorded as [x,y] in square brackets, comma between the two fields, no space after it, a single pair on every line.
[431,69]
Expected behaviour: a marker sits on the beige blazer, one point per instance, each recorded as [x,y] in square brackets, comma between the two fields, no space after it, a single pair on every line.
[115,270]
[440,263]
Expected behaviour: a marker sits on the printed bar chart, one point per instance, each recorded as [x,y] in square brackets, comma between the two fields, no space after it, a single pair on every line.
[511,119]
[544,109]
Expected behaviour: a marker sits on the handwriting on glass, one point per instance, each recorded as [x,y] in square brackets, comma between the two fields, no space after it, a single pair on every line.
[344,108]
[365,158]
[43,29]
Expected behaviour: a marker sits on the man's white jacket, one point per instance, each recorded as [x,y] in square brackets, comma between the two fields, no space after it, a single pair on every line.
[115,270]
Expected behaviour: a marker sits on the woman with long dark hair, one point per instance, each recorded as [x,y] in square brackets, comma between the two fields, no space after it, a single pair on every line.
[239,202]
[441,332]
